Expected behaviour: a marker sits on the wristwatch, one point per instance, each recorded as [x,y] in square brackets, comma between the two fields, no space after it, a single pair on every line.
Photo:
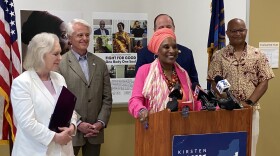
[249,102]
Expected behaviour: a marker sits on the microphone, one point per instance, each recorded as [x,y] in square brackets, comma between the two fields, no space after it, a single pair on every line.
[227,104]
[174,95]
[203,97]
[173,105]
[223,86]
[212,96]
[176,92]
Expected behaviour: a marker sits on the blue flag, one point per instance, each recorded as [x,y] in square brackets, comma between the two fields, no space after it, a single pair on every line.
[216,38]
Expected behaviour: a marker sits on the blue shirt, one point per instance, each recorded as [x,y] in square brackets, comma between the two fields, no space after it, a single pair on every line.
[83,63]
[185,60]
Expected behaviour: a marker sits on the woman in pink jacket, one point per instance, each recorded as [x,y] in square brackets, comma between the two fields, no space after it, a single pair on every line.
[154,82]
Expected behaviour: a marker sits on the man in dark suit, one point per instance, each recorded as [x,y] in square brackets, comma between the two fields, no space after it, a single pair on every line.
[88,78]
[185,56]
[101,30]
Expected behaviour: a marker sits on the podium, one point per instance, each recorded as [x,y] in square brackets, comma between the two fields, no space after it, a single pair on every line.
[157,139]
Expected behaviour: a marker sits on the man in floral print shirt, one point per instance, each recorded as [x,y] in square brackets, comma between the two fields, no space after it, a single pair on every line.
[247,70]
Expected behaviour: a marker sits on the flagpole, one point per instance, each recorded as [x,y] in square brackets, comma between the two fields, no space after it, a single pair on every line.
[10,141]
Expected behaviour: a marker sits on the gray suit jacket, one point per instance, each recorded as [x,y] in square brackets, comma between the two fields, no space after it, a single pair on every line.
[94,98]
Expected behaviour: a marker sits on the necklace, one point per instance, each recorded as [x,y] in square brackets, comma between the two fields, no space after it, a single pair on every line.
[174,79]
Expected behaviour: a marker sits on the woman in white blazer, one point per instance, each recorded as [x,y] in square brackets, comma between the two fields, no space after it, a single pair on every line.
[33,95]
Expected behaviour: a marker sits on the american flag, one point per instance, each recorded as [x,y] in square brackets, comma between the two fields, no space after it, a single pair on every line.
[10,67]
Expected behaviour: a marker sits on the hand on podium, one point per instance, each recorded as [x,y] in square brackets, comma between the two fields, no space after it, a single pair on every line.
[143,117]
[245,105]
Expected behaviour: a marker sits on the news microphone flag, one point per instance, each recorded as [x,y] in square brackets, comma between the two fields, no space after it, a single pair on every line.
[222,85]
[10,67]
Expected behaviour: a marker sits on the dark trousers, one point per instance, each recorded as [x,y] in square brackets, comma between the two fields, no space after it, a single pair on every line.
[88,149]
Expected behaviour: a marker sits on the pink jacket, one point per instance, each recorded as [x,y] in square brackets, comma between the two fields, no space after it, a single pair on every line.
[138,101]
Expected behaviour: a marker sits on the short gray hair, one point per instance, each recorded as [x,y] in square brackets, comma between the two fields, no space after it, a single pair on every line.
[39,45]
[70,25]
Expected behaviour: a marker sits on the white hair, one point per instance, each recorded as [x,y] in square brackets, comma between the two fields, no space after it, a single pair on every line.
[39,45]
[70,25]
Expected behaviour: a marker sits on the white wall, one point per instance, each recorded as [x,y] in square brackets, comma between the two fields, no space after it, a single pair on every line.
[192,17]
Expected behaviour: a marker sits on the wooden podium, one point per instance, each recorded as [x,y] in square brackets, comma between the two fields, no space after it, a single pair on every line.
[157,139]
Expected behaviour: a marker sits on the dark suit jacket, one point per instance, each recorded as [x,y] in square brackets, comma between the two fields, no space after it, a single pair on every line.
[98,32]
[94,98]
[185,60]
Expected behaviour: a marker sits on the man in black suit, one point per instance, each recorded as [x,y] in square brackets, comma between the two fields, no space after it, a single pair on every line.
[101,30]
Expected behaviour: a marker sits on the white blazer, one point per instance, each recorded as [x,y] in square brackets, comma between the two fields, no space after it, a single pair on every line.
[33,106]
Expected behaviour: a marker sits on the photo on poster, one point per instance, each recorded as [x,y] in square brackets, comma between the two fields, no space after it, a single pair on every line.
[102,36]
[126,35]
[137,44]
[102,44]
[34,22]
[121,71]
[102,27]
[138,28]
[121,36]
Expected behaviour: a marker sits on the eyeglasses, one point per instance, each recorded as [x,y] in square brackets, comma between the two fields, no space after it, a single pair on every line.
[234,31]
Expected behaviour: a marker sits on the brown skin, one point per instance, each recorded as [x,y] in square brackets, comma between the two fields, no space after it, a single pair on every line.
[236,32]
[102,25]
[63,39]
[162,21]
[120,27]
[167,55]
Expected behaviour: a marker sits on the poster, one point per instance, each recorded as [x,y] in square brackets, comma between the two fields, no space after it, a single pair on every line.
[271,50]
[117,37]
[211,144]
[34,22]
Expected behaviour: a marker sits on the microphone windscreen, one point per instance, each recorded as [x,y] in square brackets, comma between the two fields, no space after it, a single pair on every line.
[218,78]
[194,84]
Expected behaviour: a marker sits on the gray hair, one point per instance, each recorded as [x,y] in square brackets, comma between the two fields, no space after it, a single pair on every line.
[70,25]
[39,45]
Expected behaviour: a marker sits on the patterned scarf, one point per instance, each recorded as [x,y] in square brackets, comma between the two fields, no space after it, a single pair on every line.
[155,88]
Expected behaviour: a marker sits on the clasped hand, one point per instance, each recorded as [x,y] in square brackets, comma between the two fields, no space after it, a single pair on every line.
[65,135]
[90,130]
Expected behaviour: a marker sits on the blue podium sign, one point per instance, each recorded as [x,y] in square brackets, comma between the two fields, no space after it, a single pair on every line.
[214,144]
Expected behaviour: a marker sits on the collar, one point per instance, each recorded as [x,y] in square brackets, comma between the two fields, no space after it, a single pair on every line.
[232,50]
[78,56]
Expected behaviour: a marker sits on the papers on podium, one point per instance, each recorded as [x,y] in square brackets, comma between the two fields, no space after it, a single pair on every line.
[63,110]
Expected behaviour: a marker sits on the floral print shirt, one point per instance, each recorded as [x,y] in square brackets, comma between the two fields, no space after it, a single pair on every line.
[245,74]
